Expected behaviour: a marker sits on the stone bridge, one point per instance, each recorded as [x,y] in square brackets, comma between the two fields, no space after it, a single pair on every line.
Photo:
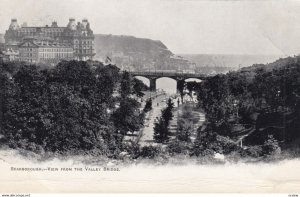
[178,76]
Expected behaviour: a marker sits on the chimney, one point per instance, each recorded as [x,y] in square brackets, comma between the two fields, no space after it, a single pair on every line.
[14,24]
[72,24]
[54,24]
[84,23]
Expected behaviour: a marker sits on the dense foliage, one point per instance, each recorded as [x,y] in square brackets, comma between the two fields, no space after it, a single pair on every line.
[185,124]
[86,107]
[161,127]
[69,108]
[254,104]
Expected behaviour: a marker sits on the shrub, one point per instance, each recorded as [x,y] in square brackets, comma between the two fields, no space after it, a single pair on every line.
[254,151]
[185,128]
[178,147]
[133,149]
[224,145]
[200,149]
[208,141]
[150,152]
[271,146]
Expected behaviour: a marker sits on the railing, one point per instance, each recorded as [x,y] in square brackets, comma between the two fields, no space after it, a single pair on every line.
[167,74]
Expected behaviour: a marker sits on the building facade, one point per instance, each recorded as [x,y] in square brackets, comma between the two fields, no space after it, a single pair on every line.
[43,51]
[78,35]
[10,55]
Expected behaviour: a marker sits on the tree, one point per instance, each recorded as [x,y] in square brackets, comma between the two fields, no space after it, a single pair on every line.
[126,85]
[148,105]
[202,145]
[107,80]
[185,128]
[185,124]
[192,86]
[138,87]
[127,117]
[161,131]
[60,109]
[167,114]
[180,87]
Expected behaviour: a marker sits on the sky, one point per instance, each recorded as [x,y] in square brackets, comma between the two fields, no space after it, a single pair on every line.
[259,27]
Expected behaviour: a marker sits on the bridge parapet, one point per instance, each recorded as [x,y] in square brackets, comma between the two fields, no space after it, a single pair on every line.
[175,75]
[178,76]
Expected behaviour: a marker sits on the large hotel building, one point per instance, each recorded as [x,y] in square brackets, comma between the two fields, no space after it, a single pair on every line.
[51,44]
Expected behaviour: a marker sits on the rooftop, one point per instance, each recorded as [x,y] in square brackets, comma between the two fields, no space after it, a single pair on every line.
[48,44]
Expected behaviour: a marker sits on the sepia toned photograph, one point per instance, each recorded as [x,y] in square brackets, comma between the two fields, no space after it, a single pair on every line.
[149,96]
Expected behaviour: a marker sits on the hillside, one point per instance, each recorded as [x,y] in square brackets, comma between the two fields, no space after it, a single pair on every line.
[131,53]
[279,63]
[135,53]
[226,62]
[107,44]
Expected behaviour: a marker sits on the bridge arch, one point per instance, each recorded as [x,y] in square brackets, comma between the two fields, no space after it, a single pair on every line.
[192,80]
[177,76]
[169,84]
[144,79]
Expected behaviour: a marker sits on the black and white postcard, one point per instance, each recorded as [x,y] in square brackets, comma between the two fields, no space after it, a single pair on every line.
[149,96]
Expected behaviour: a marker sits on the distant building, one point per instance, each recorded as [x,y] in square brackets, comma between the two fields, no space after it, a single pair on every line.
[78,36]
[2,46]
[43,51]
[10,55]
[3,57]
[181,64]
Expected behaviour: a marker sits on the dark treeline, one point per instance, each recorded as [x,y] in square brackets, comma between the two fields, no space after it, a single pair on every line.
[68,108]
[86,107]
[260,104]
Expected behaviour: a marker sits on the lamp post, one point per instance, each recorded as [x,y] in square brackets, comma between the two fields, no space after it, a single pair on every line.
[235,104]
[278,93]
[277,98]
